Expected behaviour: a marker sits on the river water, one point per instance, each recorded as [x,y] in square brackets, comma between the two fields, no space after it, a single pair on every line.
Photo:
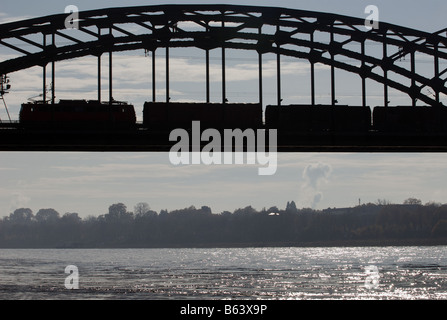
[238,273]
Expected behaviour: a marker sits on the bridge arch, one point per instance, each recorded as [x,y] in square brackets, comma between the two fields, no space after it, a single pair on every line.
[280,31]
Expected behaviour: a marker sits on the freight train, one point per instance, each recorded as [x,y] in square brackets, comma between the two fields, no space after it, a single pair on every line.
[288,119]
[160,116]
[318,119]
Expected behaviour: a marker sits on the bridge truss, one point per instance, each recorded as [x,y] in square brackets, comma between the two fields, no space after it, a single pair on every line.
[339,42]
[333,40]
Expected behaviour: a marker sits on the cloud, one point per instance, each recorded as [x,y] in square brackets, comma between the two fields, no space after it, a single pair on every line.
[314,175]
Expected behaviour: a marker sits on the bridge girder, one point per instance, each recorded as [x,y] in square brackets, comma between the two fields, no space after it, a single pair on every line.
[286,32]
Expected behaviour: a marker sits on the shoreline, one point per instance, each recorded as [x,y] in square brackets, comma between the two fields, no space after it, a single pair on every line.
[312,244]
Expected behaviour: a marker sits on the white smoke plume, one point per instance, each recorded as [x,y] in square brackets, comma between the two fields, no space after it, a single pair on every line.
[18,200]
[314,175]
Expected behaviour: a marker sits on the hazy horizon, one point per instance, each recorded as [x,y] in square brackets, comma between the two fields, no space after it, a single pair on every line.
[88,183]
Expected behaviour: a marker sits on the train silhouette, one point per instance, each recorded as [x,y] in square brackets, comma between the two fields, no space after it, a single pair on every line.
[293,119]
[77,114]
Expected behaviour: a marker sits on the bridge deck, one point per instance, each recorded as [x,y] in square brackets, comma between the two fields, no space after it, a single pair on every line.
[14,139]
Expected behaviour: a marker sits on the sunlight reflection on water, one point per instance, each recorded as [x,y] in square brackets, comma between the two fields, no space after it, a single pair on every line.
[248,273]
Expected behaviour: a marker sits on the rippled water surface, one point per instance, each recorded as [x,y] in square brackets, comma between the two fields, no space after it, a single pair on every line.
[249,273]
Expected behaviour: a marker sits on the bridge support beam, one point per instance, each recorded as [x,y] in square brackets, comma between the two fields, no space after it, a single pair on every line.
[44,74]
[110,72]
[110,77]
[53,72]
[154,96]
[413,82]
[333,98]
[99,78]
[260,85]
[167,74]
[385,72]
[99,69]
[436,56]
[312,74]
[224,87]
[278,76]
[278,69]
[363,76]
[207,72]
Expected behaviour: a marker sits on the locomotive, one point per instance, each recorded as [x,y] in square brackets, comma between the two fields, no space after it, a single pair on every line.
[77,114]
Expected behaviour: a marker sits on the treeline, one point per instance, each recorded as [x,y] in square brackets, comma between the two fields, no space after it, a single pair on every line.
[369,224]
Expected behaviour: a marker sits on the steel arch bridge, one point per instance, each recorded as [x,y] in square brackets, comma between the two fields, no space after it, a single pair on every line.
[320,38]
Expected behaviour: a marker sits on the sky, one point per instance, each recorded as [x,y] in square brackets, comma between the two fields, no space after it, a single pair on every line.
[88,183]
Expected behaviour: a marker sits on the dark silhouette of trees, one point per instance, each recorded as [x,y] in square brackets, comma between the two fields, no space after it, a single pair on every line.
[71,218]
[413,201]
[21,215]
[408,223]
[440,229]
[118,212]
[291,207]
[141,209]
[47,215]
